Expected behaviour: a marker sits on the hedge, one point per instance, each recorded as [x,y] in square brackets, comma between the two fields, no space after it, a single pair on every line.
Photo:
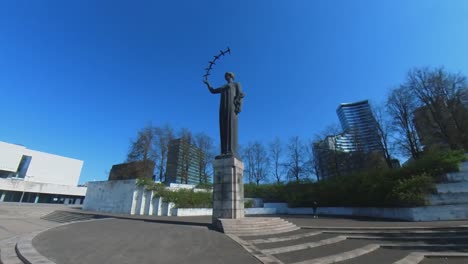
[404,187]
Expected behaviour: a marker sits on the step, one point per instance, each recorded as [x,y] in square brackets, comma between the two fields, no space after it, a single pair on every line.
[252,220]
[456,187]
[246,228]
[63,217]
[449,198]
[236,229]
[464,166]
[255,224]
[265,232]
[461,176]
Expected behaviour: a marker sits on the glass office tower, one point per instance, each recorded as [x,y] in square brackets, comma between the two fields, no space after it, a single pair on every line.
[359,126]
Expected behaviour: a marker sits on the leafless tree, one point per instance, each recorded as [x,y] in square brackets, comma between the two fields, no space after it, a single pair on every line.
[312,165]
[248,157]
[164,135]
[383,130]
[260,162]
[143,149]
[438,92]
[401,105]
[295,163]
[257,162]
[276,153]
[205,144]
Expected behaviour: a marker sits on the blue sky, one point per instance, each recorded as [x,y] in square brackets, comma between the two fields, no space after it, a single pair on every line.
[79,78]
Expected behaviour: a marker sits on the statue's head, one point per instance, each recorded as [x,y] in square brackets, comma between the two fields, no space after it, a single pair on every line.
[229,76]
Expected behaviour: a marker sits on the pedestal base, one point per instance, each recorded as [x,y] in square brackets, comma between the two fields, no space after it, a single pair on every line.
[228,189]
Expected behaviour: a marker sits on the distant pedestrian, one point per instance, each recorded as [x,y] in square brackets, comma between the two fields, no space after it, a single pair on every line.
[315,206]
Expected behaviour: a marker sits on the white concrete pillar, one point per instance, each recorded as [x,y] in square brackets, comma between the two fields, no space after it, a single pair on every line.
[136,201]
[37,198]
[78,201]
[149,203]
[143,202]
[2,197]
[157,206]
[67,201]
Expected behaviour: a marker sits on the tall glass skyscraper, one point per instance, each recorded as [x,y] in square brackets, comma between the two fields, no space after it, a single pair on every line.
[359,127]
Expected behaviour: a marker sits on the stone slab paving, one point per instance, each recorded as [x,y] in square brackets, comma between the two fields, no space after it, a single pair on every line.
[365,223]
[443,260]
[293,242]
[285,234]
[381,255]
[18,219]
[128,241]
[320,251]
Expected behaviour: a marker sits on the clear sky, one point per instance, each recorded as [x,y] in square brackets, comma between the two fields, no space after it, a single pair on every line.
[79,78]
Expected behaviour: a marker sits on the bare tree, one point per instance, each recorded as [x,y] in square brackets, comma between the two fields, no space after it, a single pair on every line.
[248,156]
[142,149]
[163,135]
[401,105]
[439,93]
[276,152]
[383,130]
[295,163]
[312,163]
[205,144]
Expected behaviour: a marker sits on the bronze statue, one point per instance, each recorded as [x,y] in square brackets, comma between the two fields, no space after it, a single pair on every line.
[229,107]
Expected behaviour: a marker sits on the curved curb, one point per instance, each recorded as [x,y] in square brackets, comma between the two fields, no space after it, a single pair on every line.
[29,255]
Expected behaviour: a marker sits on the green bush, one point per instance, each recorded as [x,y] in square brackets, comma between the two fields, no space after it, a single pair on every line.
[248,203]
[184,198]
[406,186]
[268,192]
[412,191]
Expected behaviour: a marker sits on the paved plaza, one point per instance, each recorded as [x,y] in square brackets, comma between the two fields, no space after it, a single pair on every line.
[140,239]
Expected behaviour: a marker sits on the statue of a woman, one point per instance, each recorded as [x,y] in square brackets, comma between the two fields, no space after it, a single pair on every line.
[229,107]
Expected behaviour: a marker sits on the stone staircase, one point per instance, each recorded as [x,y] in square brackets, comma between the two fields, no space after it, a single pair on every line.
[455,190]
[254,226]
[67,216]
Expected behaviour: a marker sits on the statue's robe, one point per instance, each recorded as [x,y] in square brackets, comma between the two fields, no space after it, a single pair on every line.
[229,107]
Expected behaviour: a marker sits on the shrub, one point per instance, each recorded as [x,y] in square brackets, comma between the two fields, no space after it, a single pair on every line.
[412,191]
[406,186]
[184,198]
[248,203]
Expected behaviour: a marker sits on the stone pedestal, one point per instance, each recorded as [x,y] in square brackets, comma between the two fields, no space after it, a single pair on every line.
[228,189]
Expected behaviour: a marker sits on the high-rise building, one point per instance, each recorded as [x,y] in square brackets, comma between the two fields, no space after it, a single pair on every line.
[185,163]
[355,148]
[360,127]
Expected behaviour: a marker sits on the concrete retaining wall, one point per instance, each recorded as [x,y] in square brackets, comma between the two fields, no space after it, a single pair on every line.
[192,211]
[281,208]
[260,211]
[111,196]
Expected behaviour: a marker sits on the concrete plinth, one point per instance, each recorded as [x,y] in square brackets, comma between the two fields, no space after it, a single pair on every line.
[228,189]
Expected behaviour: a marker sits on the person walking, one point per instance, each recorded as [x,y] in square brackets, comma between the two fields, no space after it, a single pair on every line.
[315,206]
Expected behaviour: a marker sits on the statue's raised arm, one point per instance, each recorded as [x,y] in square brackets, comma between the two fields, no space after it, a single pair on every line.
[214,90]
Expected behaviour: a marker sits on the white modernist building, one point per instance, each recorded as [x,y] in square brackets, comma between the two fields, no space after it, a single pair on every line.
[38,177]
